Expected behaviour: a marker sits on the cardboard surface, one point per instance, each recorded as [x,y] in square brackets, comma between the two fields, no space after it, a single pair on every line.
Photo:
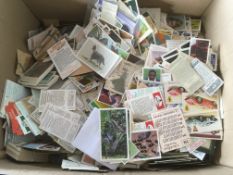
[64,10]
[218,21]
[75,10]
[16,19]
[190,7]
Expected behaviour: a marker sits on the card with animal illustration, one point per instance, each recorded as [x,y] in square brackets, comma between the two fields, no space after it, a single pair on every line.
[198,103]
[119,80]
[110,98]
[104,37]
[147,143]
[98,57]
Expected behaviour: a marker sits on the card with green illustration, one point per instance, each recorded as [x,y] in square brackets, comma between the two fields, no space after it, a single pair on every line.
[114,134]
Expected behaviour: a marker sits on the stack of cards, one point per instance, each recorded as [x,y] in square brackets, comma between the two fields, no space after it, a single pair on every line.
[134,87]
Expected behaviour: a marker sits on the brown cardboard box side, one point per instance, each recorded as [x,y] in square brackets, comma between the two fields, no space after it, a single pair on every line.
[218,21]
[16,19]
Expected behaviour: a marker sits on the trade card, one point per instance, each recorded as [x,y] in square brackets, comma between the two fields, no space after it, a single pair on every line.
[154,55]
[200,123]
[173,132]
[114,134]
[98,57]
[142,30]
[110,98]
[199,48]
[103,36]
[147,143]
[196,25]
[177,22]
[198,103]
[133,6]
[151,74]
[119,80]
[173,93]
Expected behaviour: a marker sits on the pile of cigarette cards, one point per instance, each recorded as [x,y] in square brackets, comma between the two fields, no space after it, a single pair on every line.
[134,88]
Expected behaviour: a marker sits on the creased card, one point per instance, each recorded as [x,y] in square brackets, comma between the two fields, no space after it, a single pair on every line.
[173,132]
[24,61]
[86,82]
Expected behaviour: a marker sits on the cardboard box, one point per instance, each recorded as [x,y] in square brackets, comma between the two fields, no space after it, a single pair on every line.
[19,16]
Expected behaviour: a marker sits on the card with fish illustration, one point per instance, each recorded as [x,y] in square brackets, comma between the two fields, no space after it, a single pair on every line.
[173,93]
[200,123]
[114,134]
[147,143]
[98,57]
[119,80]
[198,103]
